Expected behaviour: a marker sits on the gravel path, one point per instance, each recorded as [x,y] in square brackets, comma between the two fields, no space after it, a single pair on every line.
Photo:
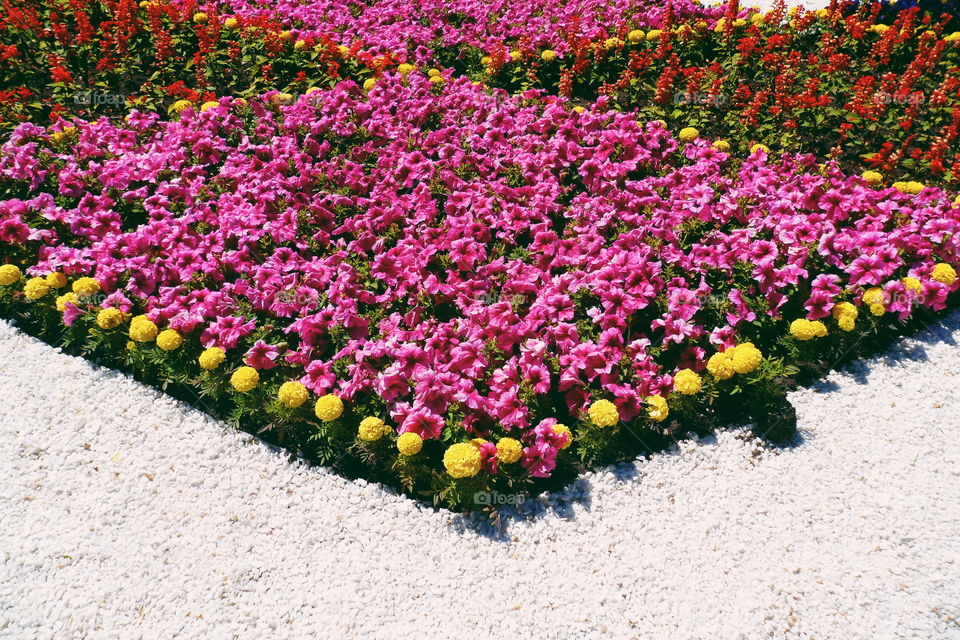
[124,514]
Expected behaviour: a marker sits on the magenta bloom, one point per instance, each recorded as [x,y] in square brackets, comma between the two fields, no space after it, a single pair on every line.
[424,423]
[226,332]
[262,355]
[539,460]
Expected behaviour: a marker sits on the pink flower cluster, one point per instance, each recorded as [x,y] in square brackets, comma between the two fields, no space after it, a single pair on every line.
[419,29]
[459,254]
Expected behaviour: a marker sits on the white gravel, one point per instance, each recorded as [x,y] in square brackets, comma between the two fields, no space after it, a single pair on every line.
[124,514]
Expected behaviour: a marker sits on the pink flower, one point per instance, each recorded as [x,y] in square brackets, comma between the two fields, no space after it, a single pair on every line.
[262,355]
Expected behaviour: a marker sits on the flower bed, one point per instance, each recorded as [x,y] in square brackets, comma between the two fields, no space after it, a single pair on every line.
[451,289]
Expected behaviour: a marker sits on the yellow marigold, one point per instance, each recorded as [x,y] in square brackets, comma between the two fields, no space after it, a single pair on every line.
[911,187]
[873,178]
[85,286]
[245,379]
[739,22]
[657,408]
[944,273]
[721,23]
[9,273]
[515,55]
[874,295]
[433,72]
[687,382]
[211,358]
[406,68]
[56,280]
[746,358]
[209,104]
[200,18]
[299,45]
[36,288]
[437,80]
[292,394]
[329,407]
[409,443]
[720,366]
[653,34]
[62,301]
[953,37]
[912,284]
[509,450]
[759,147]
[371,428]
[845,310]
[548,55]
[109,318]
[878,309]
[286,35]
[803,329]
[636,36]
[561,429]
[462,460]
[169,340]
[578,109]
[689,134]
[612,43]
[369,83]
[722,145]
[231,23]
[486,60]
[846,323]
[179,106]
[603,413]
[142,329]
[880,28]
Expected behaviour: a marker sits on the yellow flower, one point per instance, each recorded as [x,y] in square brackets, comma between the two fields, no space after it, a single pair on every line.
[912,284]
[515,55]
[657,408]
[509,450]
[720,366]
[803,329]
[292,394]
[612,43]
[369,83]
[953,37]
[746,358]
[874,295]
[179,106]
[880,28]
[405,68]
[36,288]
[200,18]
[245,379]
[343,50]
[142,329]
[636,36]
[329,407]
[878,309]
[721,23]
[409,443]
[9,273]
[603,413]
[653,34]
[486,60]
[911,187]
[944,273]
[561,429]
[578,109]
[873,178]
[211,358]
[722,145]
[169,340]
[209,104]
[759,147]
[757,18]
[280,98]
[548,55]
[689,134]
[462,460]
[845,314]
[109,318]
[438,80]
[56,280]
[86,287]
[62,301]
[286,35]
[371,428]
[687,382]
[299,45]
[231,23]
